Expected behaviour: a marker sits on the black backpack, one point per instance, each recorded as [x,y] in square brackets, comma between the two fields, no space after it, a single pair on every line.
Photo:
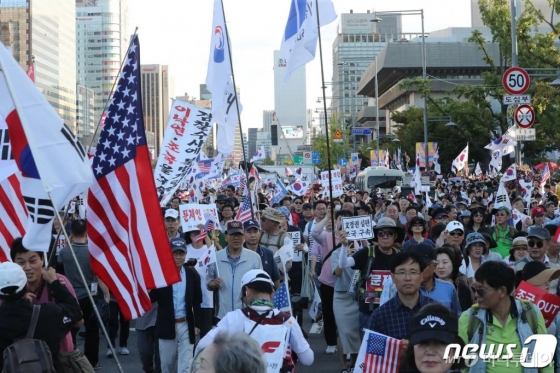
[29,355]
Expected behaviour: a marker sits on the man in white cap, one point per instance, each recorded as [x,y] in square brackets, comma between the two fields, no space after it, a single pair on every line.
[172,223]
[54,319]
[256,292]
[454,233]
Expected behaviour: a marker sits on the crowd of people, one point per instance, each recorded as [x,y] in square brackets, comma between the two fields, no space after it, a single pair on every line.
[436,272]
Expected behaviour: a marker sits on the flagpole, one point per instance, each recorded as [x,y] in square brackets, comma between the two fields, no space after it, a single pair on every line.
[323,87]
[83,278]
[112,90]
[238,113]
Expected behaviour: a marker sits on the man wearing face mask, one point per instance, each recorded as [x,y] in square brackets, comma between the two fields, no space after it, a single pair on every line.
[257,291]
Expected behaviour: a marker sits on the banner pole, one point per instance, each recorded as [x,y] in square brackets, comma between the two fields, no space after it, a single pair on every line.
[323,87]
[238,113]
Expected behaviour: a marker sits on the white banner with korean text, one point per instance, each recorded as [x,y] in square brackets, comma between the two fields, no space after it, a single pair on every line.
[187,129]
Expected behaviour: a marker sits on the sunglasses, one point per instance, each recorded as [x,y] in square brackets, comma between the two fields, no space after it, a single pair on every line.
[417,224]
[453,234]
[385,233]
[442,217]
[538,244]
[479,292]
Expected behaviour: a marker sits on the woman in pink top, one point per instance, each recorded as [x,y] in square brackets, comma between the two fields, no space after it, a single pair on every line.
[323,245]
[32,262]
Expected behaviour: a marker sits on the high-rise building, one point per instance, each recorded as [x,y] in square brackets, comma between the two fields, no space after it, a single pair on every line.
[542,5]
[45,31]
[358,41]
[102,40]
[155,101]
[268,116]
[290,105]
[86,121]
[252,142]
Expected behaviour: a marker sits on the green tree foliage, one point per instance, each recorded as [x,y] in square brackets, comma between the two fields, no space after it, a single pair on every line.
[473,108]
[268,162]
[336,148]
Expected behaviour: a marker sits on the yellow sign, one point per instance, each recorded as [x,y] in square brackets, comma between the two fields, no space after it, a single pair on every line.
[338,136]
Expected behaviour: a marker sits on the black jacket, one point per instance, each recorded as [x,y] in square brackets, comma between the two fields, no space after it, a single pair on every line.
[55,319]
[165,321]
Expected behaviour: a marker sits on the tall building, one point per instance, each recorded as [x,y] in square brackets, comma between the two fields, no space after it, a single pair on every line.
[357,43]
[45,31]
[268,116]
[101,43]
[290,105]
[155,101]
[542,5]
[86,121]
[252,142]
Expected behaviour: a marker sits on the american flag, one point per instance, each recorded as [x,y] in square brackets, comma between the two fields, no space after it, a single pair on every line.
[204,166]
[545,175]
[379,353]
[245,211]
[282,298]
[209,226]
[13,214]
[125,236]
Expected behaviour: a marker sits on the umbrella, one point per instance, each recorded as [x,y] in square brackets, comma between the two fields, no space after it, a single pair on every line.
[551,166]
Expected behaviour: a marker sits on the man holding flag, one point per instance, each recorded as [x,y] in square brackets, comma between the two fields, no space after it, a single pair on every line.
[258,319]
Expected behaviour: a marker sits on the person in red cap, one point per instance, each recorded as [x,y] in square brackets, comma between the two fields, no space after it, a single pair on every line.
[538,218]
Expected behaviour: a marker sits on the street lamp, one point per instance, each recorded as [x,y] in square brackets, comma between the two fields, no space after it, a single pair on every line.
[424,74]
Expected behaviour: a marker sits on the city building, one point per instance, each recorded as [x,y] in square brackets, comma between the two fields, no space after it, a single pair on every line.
[205,94]
[155,101]
[102,39]
[267,119]
[252,142]
[246,146]
[290,106]
[449,64]
[86,121]
[263,139]
[45,32]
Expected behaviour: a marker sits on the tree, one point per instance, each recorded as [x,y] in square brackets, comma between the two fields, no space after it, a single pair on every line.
[268,162]
[470,106]
[337,148]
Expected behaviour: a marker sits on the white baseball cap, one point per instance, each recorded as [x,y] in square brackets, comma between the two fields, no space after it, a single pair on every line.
[171,213]
[453,226]
[255,275]
[11,275]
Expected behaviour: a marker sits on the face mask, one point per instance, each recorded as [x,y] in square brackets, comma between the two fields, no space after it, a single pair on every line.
[337,208]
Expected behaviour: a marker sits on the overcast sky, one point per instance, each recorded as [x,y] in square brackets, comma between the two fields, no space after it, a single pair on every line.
[177,33]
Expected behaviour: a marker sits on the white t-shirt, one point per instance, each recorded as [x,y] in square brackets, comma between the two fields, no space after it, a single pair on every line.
[234,321]
[207,295]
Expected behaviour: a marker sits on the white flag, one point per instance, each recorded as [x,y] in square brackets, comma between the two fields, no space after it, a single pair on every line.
[526,190]
[496,161]
[299,188]
[299,41]
[437,166]
[314,307]
[462,158]
[260,154]
[208,257]
[219,66]
[510,174]
[518,216]
[49,156]
[225,116]
[502,197]
[478,170]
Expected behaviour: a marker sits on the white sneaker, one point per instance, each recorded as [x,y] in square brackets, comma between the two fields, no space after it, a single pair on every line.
[124,351]
[109,353]
[331,350]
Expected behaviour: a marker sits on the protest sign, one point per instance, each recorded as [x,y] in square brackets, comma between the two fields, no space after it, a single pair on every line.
[548,303]
[210,212]
[296,237]
[187,129]
[358,227]
[374,285]
[191,216]
[335,177]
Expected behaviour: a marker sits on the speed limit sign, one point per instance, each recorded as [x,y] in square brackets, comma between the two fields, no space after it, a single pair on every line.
[516,80]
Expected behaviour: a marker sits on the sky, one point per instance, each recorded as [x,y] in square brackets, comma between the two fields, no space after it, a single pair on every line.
[177,33]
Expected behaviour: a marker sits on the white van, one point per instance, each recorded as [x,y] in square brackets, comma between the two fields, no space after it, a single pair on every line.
[379,177]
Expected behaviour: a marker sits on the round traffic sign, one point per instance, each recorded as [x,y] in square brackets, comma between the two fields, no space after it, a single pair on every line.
[516,80]
[307,155]
[524,116]
[342,162]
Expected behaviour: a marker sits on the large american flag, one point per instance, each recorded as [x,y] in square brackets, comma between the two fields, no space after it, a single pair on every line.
[379,353]
[127,238]
[13,214]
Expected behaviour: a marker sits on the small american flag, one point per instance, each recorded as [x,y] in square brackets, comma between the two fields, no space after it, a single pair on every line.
[282,298]
[204,166]
[245,210]
[545,175]
[379,353]
[209,226]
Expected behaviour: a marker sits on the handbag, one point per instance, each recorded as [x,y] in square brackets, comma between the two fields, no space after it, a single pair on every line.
[74,362]
[103,309]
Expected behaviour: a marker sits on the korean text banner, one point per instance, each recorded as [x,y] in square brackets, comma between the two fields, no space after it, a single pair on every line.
[421,148]
[187,129]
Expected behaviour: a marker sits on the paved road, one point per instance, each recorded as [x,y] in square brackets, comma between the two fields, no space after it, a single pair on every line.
[131,364]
